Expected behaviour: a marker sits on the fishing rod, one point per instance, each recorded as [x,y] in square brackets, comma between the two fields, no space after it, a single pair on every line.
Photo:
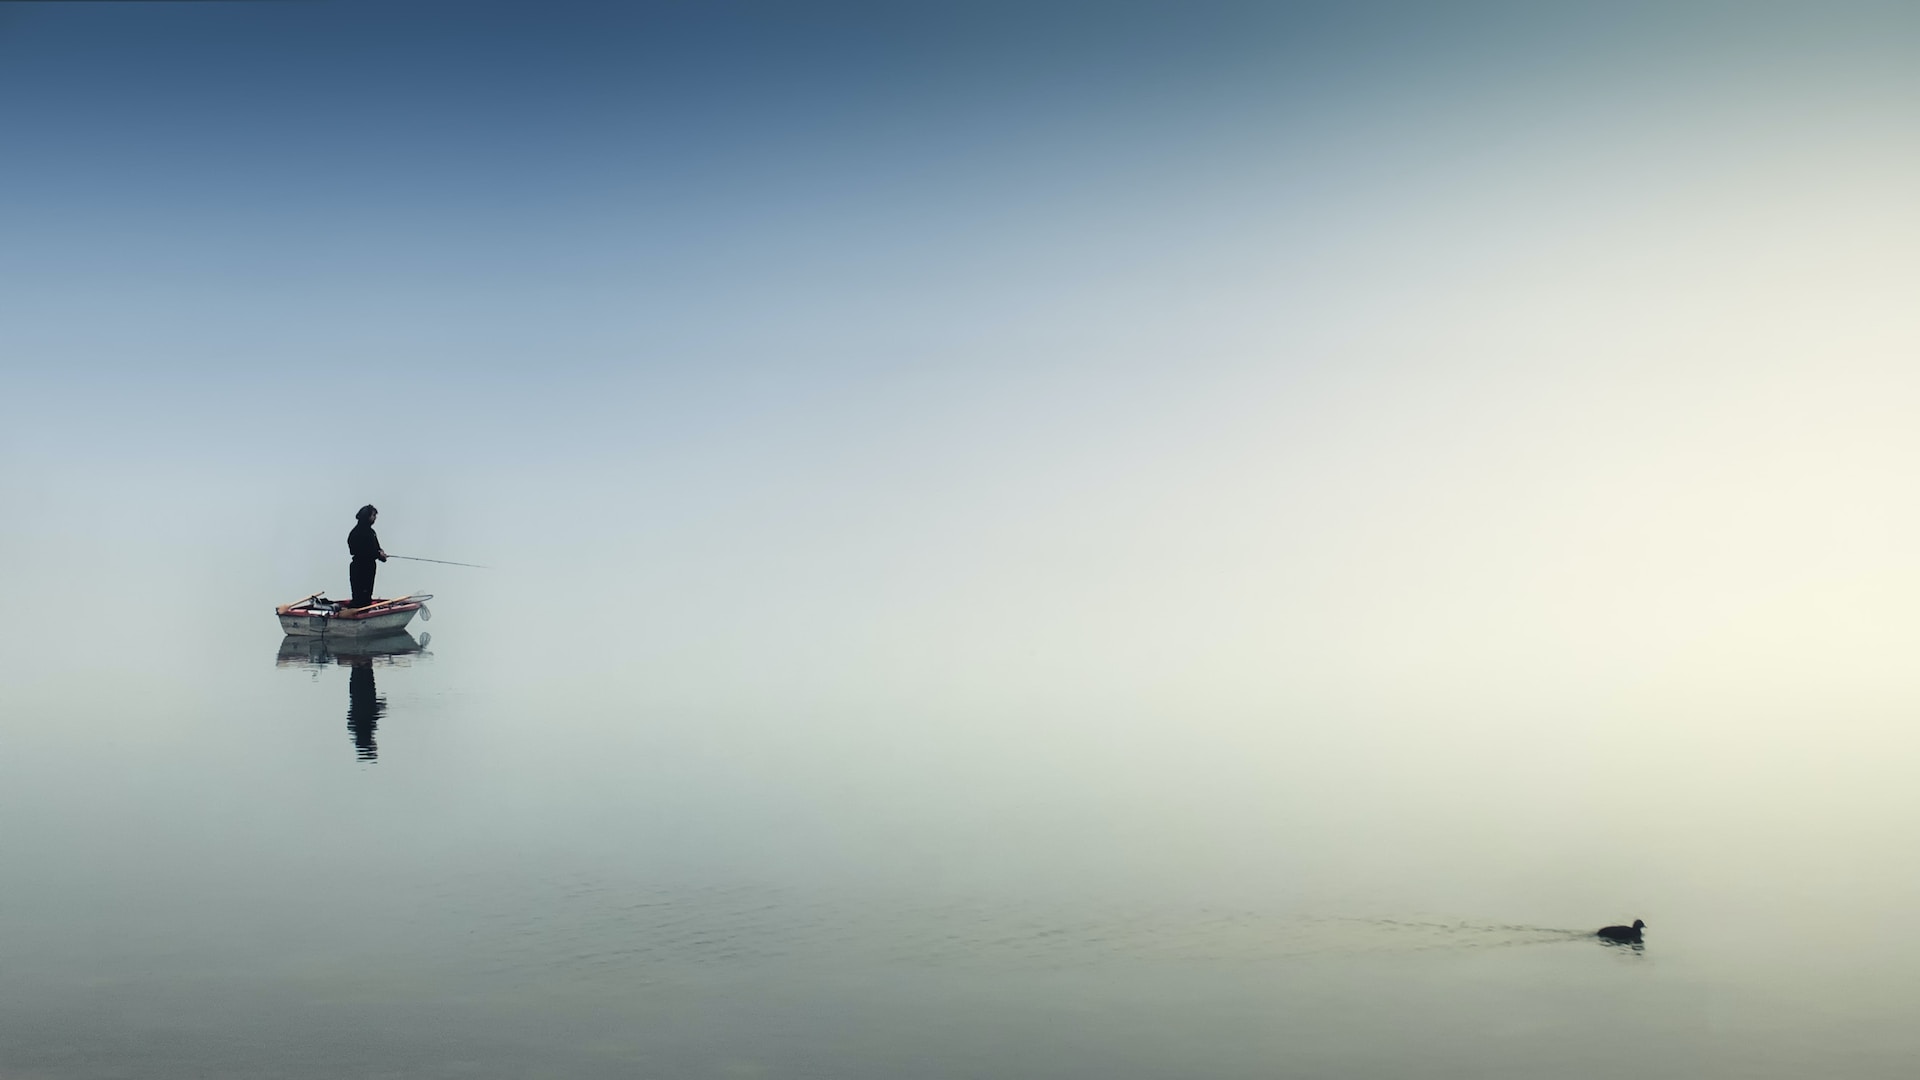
[443,562]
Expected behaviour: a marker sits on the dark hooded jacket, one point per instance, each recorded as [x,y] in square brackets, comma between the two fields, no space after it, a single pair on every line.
[362,543]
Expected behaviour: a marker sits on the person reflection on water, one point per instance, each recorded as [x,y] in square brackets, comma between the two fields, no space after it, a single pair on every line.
[364,545]
[365,706]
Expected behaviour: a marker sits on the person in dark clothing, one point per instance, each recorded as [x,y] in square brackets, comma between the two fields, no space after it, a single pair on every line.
[364,545]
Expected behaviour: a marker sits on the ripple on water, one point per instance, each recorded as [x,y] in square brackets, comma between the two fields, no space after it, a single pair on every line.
[582,926]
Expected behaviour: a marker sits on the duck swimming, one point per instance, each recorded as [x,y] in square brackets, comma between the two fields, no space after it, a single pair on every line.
[1622,933]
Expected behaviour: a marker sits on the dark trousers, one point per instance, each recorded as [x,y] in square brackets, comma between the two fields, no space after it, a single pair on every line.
[360,573]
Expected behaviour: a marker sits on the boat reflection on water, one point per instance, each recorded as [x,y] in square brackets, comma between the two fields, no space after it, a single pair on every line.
[365,706]
[398,647]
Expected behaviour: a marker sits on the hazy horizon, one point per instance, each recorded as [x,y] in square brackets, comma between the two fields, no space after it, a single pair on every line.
[1364,460]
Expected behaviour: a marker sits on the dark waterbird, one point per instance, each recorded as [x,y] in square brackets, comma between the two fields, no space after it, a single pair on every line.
[1622,933]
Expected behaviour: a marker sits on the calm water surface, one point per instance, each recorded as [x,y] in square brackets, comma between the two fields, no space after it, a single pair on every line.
[478,854]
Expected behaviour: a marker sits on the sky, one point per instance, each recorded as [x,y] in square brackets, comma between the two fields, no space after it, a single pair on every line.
[1212,356]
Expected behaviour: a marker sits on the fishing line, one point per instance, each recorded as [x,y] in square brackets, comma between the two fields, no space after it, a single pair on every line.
[443,562]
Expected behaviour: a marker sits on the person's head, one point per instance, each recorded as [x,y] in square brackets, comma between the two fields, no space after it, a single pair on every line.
[367,513]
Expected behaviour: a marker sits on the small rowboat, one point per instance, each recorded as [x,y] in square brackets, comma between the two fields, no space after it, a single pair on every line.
[317,616]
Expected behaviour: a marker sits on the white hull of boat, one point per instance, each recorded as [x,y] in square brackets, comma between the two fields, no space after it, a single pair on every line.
[333,626]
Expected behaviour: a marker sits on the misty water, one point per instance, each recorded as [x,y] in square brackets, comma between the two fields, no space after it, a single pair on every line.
[1081,541]
[519,842]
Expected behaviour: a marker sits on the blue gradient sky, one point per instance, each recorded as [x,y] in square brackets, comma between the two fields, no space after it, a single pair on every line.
[1213,350]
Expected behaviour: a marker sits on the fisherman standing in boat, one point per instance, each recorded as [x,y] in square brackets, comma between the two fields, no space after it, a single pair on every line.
[364,545]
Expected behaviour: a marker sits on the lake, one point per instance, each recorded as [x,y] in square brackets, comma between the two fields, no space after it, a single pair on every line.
[1104,541]
[505,853]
